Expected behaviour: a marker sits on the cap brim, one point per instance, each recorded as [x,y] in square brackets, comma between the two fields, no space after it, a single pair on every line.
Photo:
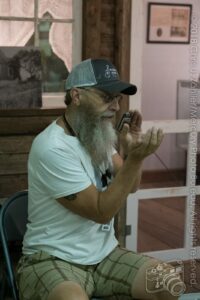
[118,87]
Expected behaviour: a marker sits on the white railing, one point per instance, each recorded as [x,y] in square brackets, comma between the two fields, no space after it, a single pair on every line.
[190,190]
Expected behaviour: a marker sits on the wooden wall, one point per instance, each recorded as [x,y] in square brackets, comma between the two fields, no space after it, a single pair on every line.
[17,130]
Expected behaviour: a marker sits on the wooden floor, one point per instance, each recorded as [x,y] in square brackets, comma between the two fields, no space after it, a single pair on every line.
[161,223]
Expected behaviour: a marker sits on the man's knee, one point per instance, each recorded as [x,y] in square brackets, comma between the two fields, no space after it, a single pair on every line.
[68,290]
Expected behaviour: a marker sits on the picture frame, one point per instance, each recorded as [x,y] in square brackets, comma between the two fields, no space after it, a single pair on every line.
[20,77]
[169,23]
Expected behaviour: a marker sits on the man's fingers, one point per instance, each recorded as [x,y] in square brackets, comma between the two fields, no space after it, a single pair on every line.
[160,136]
[136,121]
[139,120]
[156,138]
[125,129]
[146,144]
[147,137]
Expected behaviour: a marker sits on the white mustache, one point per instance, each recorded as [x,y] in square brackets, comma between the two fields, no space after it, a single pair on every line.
[107,115]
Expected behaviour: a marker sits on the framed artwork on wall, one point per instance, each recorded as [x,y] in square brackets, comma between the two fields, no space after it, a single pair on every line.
[20,78]
[168,23]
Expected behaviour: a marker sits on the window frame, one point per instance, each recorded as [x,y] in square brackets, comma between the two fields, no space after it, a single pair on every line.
[48,99]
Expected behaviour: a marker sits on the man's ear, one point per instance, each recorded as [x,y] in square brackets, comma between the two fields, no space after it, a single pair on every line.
[75,94]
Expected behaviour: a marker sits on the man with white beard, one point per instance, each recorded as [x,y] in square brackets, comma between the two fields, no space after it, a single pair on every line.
[77,184]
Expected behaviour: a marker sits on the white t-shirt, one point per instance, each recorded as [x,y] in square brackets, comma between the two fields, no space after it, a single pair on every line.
[59,166]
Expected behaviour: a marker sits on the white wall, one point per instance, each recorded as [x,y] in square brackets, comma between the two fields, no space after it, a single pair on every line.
[162,65]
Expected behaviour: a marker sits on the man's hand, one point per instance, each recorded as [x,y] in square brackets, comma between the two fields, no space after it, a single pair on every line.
[136,144]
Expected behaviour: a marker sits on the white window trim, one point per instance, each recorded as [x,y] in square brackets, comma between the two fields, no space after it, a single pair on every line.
[53,100]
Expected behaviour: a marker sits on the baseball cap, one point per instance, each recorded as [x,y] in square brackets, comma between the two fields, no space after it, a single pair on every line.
[98,73]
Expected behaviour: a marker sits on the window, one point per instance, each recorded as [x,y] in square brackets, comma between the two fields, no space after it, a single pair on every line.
[54,26]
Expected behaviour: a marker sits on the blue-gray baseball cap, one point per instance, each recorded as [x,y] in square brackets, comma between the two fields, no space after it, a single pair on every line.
[100,74]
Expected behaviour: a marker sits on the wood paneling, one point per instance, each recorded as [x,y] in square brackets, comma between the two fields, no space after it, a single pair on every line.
[17,131]
[9,184]
[30,112]
[15,144]
[13,163]
[23,122]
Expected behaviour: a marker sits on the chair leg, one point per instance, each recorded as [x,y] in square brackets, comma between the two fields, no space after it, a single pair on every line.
[3,289]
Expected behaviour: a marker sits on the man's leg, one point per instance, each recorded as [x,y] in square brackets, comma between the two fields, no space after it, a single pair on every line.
[68,290]
[125,273]
[43,277]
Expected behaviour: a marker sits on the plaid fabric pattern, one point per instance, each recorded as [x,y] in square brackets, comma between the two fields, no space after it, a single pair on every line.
[39,273]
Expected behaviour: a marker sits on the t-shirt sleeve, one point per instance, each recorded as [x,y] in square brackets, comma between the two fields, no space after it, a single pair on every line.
[62,173]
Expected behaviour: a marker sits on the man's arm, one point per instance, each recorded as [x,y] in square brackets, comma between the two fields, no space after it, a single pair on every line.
[118,163]
[101,207]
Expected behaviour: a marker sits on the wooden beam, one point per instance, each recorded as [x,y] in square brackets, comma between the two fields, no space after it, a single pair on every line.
[91,28]
[16,125]
[106,34]
[122,62]
[31,122]
[122,45]
[15,144]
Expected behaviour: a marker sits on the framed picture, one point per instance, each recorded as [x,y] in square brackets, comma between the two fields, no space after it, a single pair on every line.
[168,23]
[20,78]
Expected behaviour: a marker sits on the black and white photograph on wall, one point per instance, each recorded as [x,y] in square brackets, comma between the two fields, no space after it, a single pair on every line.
[20,78]
[168,23]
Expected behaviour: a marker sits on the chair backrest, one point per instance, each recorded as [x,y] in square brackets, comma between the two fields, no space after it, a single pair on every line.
[13,220]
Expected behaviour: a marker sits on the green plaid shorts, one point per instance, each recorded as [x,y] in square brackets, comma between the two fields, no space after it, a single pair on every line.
[39,273]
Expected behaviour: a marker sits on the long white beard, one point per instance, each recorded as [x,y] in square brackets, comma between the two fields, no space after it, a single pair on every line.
[96,134]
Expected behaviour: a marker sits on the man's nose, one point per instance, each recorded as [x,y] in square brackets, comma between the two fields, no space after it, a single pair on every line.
[114,105]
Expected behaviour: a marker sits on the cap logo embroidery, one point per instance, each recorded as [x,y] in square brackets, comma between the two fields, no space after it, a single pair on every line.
[110,72]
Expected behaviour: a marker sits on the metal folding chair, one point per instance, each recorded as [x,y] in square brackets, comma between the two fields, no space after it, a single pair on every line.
[13,220]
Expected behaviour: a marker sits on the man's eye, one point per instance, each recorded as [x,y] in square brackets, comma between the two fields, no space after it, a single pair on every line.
[116,97]
[108,98]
